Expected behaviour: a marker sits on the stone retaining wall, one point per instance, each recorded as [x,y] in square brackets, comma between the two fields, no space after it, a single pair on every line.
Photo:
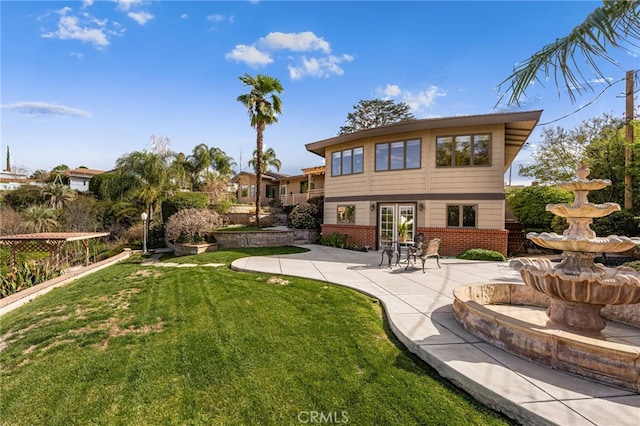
[230,239]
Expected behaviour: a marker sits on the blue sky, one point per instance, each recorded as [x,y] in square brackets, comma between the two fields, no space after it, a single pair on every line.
[83,83]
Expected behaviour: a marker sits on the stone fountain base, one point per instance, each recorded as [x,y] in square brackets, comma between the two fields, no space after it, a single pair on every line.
[512,317]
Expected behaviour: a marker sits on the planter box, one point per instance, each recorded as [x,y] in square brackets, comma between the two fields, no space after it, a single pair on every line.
[190,249]
[276,238]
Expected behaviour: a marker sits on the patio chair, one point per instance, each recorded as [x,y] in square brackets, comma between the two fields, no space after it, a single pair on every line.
[424,251]
[389,247]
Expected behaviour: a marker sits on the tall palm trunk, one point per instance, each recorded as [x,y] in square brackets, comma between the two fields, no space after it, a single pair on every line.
[259,146]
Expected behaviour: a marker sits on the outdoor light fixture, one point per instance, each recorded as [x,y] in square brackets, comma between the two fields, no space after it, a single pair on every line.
[144,216]
[372,207]
[420,206]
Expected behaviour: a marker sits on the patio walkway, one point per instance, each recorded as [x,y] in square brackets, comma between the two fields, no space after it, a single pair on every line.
[419,310]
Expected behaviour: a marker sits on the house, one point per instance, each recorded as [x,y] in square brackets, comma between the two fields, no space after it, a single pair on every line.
[444,176]
[281,188]
[79,178]
[246,184]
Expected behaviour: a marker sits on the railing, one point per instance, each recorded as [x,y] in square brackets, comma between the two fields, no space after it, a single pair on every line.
[300,198]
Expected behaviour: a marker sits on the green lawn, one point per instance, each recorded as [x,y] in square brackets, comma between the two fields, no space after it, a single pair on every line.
[134,345]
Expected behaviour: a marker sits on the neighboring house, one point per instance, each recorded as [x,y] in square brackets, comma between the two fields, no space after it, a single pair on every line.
[246,192]
[300,188]
[79,178]
[10,180]
[445,176]
[276,187]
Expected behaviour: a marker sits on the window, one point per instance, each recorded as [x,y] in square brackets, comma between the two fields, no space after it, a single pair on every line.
[253,190]
[283,190]
[347,214]
[347,162]
[304,187]
[398,155]
[463,150]
[461,216]
[244,191]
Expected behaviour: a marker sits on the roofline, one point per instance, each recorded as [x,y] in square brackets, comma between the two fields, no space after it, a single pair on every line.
[424,124]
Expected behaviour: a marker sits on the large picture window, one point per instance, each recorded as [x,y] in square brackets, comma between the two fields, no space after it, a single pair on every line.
[462,216]
[463,150]
[398,155]
[347,162]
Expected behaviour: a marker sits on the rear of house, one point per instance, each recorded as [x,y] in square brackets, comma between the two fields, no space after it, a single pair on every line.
[444,175]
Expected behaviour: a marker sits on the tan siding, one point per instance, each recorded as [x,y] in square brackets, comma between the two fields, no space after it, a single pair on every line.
[490,213]
[363,214]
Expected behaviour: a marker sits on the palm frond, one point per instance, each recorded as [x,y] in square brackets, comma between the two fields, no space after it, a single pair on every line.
[609,26]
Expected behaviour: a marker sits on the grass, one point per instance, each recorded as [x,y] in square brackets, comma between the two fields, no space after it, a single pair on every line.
[135,345]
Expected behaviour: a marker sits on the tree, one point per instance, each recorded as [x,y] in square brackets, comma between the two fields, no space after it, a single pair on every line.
[57,195]
[263,106]
[268,159]
[204,161]
[39,218]
[610,25]
[147,175]
[375,113]
[562,150]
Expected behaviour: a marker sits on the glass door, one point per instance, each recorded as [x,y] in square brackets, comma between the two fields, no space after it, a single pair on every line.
[396,221]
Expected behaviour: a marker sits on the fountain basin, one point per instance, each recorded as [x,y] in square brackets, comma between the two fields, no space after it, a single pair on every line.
[512,317]
[610,244]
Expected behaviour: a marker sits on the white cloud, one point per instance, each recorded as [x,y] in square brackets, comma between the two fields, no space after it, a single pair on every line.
[418,101]
[128,4]
[69,28]
[45,109]
[77,55]
[259,54]
[184,16]
[215,18]
[86,3]
[319,67]
[249,55]
[140,17]
[296,42]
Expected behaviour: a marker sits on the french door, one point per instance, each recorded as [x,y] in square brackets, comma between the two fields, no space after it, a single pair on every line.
[392,216]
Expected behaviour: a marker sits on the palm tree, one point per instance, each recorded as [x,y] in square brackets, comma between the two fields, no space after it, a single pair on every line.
[204,161]
[58,195]
[610,25]
[263,107]
[147,174]
[268,159]
[40,218]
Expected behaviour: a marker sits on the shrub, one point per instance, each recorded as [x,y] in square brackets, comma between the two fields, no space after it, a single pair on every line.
[621,223]
[191,225]
[482,254]
[25,275]
[182,201]
[338,240]
[304,216]
[529,206]
[634,265]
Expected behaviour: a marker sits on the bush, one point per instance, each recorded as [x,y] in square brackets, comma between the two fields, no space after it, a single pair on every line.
[191,225]
[182,201]
[529,206]
[305,216]
[482,254]
[25,275]
[634,265]
[23,197]
[338,240]
[621,223]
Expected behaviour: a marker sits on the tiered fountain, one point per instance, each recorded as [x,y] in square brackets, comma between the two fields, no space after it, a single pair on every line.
[574,291]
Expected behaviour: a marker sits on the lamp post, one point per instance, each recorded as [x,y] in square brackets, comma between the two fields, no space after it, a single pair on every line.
[143,216]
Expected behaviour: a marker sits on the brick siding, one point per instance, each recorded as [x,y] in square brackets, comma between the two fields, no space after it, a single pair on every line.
[453,241]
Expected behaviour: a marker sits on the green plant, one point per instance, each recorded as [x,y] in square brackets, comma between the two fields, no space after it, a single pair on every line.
[304,216]
[182,201]
[529,206]
[633,264]
[482,254]
[338,240]
[404,225]
[27,274]
[622,223]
